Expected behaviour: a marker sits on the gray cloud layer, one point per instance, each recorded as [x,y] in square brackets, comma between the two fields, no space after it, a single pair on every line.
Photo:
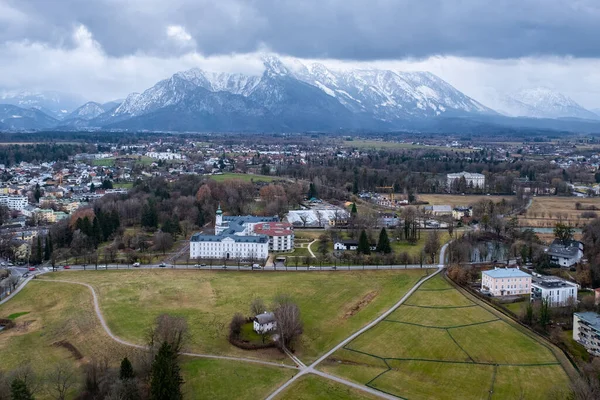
[340,29]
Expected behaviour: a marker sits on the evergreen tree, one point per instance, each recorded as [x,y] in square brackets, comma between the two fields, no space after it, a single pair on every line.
[37,193]
[19,390]
[126,370]
[47,248]
[165,380]
[363,244]
[353,210]
[96,232]
[149,215]
[38,251]
[312,191]
[92,188]
[383,245]
[106,184]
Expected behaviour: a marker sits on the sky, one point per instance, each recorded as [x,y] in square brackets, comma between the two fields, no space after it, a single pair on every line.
[105,49]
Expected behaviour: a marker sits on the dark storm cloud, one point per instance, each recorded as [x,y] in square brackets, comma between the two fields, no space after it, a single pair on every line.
[341,29]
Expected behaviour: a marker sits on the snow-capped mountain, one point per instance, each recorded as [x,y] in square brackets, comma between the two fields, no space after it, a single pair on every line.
[297,96]
[17,118]
[391,95]
[55,104]
[539,103]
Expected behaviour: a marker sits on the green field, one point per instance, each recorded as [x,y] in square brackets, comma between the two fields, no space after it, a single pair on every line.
[62,312]
[333,304]
[244,177]
[313,387]
[443,345]
[103,162]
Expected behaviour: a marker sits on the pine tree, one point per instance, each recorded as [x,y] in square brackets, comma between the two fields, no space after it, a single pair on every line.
[37,193]
[353,210]
[47,250]
[92,188]
[149,215]
[126,371]
[19,390]
[363,244]
[312,191]
[383,245]
[38,251]
[165,380]
[96,232]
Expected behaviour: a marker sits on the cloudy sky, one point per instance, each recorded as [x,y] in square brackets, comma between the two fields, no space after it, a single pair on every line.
[104,49]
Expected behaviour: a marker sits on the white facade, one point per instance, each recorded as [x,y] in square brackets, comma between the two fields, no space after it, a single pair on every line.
[264,323]
[227,247]
[164,155]
[506,282]
[14,202]
[472,179]
[556,291]
[281,234]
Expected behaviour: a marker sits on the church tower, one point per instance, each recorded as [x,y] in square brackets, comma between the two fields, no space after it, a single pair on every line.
[219,218]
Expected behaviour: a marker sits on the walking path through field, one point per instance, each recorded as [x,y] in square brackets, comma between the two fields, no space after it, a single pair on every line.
[137,346]
[311,368]
[303,369]
[310,250]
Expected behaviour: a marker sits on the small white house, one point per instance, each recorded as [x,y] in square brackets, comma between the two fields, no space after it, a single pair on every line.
[565,254]
[265,322]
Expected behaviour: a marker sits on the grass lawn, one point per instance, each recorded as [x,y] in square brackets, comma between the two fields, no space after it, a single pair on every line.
[438,358]
[458,200]
[122,185]
[545,211]
[244,177]
[312,387]
[64,312]
[103,162]
[221,379]
[415,249]
[436,380]
[524,383]
[434,318]
[333,304]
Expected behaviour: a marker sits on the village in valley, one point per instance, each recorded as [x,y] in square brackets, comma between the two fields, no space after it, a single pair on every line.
[437,267]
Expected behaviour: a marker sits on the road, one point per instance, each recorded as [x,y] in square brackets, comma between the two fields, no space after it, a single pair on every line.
[311,368]
[221,267]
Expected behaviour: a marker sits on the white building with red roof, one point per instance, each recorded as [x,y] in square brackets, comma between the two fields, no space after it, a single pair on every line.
[281,235]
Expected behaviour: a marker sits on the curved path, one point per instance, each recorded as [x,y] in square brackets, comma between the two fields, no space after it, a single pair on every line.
[310,250]
[137,346]
[311,368]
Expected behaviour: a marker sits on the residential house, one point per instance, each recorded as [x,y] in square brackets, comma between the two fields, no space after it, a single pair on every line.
[460,212]
[506,282]
[440,210]
[565,254]
[350,245]
[265,322]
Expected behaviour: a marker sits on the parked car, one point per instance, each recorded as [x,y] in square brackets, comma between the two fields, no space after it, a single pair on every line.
[67,267]
[256,266]
[162,265]
[312,268]
[136,264]
[31,268]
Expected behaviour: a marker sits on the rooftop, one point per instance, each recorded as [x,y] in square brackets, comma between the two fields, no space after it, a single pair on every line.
[566,249]
[506,273]
[551,282]
[274,228]
[265,318]
[591,318]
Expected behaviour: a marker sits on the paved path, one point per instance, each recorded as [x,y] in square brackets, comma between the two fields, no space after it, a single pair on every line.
[137,346]
[311,368]
[17,290]
[310,250]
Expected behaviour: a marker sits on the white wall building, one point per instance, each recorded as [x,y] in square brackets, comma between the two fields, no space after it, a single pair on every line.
[265,322]
[164,155]
[586,330]
[556,290]
[472,179]
[234,238]
[14,202]
[506,282]
[281,235]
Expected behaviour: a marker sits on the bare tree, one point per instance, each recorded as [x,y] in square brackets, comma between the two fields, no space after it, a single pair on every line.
[257,306]
[163,241]
[170,329]
[289,322]
[320,218]
[61,379]
[304,218]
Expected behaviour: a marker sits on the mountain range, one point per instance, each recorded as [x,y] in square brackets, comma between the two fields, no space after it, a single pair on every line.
[289,97]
